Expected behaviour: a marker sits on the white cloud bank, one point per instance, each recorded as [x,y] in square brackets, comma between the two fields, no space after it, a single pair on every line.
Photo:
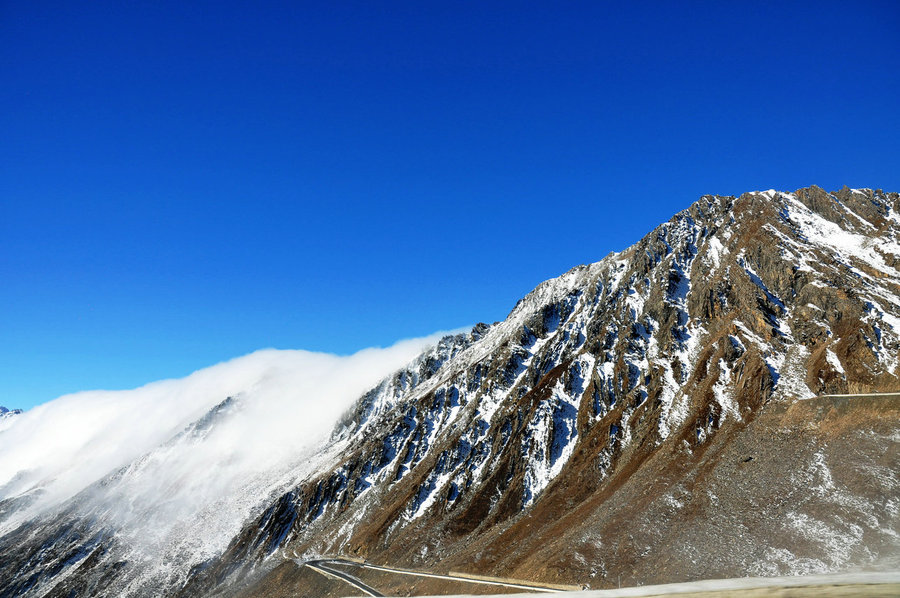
[185,496]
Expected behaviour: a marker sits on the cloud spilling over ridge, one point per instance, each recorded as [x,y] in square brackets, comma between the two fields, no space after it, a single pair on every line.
[285,404]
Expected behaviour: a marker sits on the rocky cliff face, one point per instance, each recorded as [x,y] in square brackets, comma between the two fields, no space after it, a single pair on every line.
[645,418]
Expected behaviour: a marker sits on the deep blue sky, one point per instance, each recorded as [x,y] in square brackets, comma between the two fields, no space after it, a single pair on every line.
[184,184]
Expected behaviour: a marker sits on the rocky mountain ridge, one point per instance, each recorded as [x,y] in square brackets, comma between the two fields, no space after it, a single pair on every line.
[597,428]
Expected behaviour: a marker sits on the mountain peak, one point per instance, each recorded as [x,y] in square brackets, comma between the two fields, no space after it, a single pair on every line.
[632,417]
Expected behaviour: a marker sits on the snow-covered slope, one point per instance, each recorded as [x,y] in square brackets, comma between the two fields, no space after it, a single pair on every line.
[596,429]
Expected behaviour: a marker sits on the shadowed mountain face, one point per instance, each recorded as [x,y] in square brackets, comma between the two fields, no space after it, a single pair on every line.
[647,418]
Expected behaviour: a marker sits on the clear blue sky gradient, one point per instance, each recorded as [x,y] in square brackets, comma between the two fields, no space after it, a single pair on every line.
[181,183]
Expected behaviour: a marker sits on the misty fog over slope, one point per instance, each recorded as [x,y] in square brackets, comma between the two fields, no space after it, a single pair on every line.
[174,468]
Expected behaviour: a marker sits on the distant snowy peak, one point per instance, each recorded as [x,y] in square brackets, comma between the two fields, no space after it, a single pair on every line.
[7,417]
[4,412]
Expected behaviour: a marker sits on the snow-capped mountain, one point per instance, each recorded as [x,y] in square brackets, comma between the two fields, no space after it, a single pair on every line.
[6,413]
[646,418]
[6,416]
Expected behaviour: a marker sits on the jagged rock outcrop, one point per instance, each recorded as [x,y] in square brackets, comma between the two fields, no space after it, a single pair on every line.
[645,418]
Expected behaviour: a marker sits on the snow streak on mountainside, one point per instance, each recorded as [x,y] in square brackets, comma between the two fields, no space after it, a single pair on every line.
[596,428]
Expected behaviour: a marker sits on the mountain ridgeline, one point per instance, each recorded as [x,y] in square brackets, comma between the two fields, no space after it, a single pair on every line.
[665,414]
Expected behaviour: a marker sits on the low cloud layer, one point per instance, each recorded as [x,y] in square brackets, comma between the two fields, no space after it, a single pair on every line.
[183,495]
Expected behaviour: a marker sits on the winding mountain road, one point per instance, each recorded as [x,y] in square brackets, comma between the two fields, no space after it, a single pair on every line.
[327,571]
[321,566]
[882,395]
[458,577]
